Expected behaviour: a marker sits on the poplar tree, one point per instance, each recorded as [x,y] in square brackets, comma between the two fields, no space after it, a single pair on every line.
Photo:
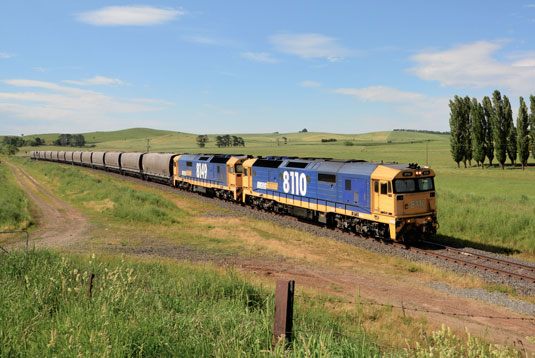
[522,127]
[467,122]
[456,136]
[489,142]
[499,129]
[510,130]
[477,130]
[532,124]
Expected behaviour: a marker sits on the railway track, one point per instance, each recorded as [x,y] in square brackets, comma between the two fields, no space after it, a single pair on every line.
[479,261]
[484,263]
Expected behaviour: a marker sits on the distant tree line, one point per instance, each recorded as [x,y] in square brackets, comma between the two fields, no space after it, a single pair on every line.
[487,130]
[229,141]
[420,131]
[17,141]
[202,140]
[327,140]
[221,141]
[70,140]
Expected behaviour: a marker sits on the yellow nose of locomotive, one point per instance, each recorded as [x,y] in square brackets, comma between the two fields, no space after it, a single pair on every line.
[407,196]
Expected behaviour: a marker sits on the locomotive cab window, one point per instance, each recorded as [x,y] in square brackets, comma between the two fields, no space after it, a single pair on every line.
[348,184]
[245,172]
[189,164]
[239,168]
[413,185]
[425,184]
[376,186]
[383,188]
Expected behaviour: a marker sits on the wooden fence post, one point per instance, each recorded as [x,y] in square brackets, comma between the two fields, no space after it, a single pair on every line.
[90,288]
[284,305]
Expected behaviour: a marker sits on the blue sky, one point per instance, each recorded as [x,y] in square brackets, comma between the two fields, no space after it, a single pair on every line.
[251,66]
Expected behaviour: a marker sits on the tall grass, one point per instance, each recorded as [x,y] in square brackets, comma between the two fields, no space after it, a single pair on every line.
[147,309]
[14,204]
[173,310]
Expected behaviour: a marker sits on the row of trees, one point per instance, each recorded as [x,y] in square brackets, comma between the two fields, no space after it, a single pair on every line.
[420,131]
[21,142]
[229,141]
[221,141]
[70,140]
[483,130]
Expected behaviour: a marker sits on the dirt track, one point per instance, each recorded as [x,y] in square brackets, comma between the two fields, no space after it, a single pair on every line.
[61,225]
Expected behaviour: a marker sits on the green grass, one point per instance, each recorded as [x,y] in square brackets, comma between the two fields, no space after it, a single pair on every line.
[15,206]
[102,195]
[148,309]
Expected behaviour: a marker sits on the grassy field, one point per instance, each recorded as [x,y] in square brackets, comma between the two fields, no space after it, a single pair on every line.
[176,227]
[154,309]
[15,206]
[490,208]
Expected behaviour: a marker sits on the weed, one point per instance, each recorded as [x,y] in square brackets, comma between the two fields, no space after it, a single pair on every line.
[14,204]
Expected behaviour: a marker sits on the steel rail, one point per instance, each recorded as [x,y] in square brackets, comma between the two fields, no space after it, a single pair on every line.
[483,257]
[470,263]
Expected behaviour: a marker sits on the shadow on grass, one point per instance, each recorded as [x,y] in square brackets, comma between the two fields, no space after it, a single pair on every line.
[507,166]
[462,243]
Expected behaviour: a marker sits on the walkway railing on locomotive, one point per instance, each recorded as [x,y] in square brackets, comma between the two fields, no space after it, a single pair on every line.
[337,205]
[209,181]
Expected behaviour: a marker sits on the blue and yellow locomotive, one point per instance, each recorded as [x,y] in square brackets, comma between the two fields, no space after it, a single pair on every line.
[393,201]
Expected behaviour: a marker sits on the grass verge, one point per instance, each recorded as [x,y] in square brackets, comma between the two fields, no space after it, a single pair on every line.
[158,309]
[15,206]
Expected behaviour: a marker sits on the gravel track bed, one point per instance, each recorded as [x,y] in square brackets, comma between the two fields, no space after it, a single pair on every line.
[377,246]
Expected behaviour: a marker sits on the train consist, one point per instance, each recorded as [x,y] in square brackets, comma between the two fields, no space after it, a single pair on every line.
[395,201]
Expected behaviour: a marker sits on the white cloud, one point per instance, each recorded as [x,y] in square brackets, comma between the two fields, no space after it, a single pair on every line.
[41,69]
[473,65]
[97,80]
[200,39]
[310,46]
[416,109]
[309,84]
[381,94]
[128,16]
[53,102]
[5,55]
[529,5]
[259,57]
